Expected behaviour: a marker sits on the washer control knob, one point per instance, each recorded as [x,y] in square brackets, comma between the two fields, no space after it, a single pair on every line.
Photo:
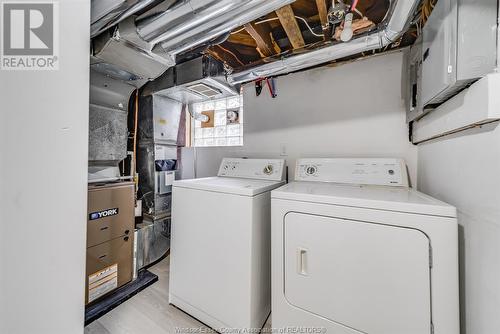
[268,170]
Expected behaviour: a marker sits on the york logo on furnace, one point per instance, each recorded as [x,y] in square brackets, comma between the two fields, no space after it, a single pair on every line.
[30,36]
[103,214]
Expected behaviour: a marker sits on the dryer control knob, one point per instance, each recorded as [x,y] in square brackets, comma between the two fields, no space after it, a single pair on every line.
[311,170]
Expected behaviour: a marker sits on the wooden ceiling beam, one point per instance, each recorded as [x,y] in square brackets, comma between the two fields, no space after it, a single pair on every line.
[221,57]
[289,23]
[243,39]
[323,16]
[226,55]
[261,33]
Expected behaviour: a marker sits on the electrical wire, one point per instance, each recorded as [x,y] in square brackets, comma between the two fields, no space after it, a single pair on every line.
[238,31]
[309,27]
[258,22]
[358,12]
[354,4]
[297,17]
[267,20]
[424,12]
[231,53]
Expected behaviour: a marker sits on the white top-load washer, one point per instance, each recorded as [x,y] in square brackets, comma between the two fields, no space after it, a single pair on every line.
[220,267]
[354,250]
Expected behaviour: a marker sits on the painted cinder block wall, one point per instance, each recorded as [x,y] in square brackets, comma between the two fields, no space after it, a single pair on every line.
[353,110]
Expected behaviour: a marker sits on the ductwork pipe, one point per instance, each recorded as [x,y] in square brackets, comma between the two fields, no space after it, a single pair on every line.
[111,19]
[151,44]
[190,23]
[402,13]
[182,17]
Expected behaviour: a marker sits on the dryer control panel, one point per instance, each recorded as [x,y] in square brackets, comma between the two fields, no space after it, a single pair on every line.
[263,169]
[386,172]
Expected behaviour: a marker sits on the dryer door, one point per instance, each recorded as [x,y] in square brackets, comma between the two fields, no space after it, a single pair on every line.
[370,277]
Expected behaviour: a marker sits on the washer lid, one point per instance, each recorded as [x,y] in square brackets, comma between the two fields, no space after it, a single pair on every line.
[229,185]
[365,196]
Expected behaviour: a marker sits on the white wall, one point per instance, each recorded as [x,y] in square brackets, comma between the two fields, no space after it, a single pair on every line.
[353,110]
[43,192]
[464,170]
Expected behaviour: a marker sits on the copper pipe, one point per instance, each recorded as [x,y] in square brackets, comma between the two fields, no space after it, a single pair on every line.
[134,164]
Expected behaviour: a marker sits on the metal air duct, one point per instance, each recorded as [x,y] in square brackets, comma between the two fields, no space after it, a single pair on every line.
[124,49]
[196,80]
[190,23]
[132,51]
[109,100]
[401,13]
[107,13]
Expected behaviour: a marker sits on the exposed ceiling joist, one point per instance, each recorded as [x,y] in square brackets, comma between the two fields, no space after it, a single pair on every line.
[243,39]
[323,16]
[225,55]
[292,29]
[261,33]
[279,32]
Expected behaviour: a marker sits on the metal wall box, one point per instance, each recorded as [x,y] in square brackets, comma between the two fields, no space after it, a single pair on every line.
[413,88]
[459,47]
[164,181]
[153,189]
[477,105]
[159,119]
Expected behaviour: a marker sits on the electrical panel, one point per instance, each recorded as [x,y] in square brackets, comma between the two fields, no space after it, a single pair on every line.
[458,45]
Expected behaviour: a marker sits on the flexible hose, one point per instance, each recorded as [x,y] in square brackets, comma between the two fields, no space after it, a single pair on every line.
[354,4]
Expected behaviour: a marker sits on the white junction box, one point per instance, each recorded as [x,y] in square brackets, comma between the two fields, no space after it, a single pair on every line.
[477,105]
[458,46]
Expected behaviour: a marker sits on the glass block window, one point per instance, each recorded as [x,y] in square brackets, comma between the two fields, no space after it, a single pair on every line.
[227,129]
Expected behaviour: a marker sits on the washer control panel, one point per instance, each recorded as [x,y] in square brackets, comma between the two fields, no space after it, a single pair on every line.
[265,169]
[387,172]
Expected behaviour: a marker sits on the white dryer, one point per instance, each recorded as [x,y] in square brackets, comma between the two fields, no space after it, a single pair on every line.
[355,250]
[220,267]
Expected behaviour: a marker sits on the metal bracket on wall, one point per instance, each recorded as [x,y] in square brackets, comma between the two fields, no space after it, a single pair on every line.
[270,84]
[258,87]
[272,87]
